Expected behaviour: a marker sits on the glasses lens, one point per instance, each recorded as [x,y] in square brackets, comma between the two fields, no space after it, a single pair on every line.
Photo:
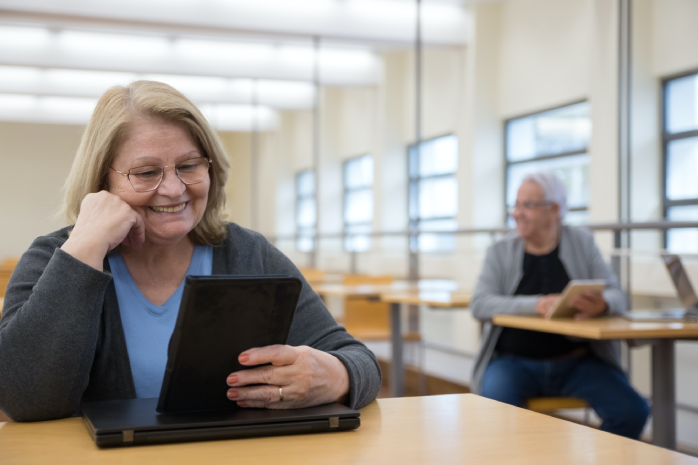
[193,170]
[145,178]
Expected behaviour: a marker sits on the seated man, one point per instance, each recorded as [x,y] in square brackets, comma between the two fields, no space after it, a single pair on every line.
[524,275]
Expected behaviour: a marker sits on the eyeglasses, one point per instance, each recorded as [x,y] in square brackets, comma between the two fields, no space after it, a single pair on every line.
[148,178]
[529,205]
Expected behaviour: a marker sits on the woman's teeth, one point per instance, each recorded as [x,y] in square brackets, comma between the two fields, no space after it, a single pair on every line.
[169,209]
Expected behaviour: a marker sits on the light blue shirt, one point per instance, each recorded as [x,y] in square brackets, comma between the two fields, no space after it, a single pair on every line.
[148,327]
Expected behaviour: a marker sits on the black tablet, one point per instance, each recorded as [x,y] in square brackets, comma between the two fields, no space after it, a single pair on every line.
[219,318]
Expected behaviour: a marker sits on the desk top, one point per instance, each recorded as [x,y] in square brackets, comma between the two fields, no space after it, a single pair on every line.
[459,429]
[441,299]
[600,328]
[374,291]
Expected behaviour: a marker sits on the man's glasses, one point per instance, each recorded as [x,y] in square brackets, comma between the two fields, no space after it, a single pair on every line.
[530,205]
[148,178]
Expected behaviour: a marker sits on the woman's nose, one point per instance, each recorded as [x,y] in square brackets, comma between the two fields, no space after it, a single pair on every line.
[171,185]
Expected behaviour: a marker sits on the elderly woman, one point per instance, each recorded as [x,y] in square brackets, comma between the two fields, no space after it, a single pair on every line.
[90,308]
[524,275]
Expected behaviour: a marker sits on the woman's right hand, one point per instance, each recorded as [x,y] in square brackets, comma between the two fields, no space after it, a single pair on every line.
[104,222]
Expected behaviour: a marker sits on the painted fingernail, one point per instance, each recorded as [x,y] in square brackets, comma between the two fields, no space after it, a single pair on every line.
[233,394]
[242,404]
[232,379]
[243,358]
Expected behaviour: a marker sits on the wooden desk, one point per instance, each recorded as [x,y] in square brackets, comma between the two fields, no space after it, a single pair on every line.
[433,298]
[662,336]
[452,429]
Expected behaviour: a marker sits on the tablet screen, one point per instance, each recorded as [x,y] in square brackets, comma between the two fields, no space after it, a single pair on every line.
[219,318]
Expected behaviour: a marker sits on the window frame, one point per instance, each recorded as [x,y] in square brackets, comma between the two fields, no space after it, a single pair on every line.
[508,163]
[666,140]
[346,190]
[414,224]
[297,202]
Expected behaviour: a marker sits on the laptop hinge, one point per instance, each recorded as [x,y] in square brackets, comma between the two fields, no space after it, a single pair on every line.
[127,435]
[334,422]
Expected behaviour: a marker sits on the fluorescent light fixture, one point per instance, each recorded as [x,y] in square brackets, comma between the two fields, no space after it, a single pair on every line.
[24,37]
[200,49]
[240,117]
[200,89]
[95,81]
[76,110]
[30,108]
[18,75]
[112,44]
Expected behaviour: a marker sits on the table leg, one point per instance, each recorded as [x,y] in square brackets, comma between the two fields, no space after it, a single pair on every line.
[397,369]
[664,394]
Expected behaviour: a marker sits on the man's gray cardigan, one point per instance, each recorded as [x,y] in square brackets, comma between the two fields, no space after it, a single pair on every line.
[501,273]
[61,339]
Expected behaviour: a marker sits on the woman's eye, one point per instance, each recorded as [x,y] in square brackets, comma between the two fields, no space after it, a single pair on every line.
[147,174]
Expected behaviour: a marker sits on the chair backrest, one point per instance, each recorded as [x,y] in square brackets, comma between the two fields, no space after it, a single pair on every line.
[312,274]
[361,279]
[7,266]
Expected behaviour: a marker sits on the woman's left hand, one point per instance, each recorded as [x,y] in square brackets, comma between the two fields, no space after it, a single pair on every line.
[305,376]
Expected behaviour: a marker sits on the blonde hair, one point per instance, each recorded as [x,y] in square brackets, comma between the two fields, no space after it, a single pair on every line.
[116,112]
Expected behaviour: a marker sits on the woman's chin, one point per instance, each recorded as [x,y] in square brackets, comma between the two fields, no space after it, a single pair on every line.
[167,236]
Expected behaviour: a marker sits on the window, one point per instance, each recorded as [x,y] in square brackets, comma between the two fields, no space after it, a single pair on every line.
[305,210]
[358,203]
[433,203]
[554,140]
[680,143]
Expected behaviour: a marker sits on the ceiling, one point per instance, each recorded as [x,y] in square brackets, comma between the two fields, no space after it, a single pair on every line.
[226,55]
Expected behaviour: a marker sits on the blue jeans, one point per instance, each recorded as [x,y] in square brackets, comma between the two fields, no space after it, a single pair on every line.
[512,379]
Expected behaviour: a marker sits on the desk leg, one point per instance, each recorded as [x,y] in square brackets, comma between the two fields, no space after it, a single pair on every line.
[397,369]
[664,394]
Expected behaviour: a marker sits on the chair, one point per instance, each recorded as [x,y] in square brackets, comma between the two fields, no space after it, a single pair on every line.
[313,275]
[550,404]
[369,320]
[7,266]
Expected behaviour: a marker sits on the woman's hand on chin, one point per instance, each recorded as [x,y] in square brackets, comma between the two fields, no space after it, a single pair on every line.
[105,221]
[306,377]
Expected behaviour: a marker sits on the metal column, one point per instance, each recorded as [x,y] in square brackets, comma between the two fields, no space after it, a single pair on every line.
[316,148]
[664,394]
[397,368]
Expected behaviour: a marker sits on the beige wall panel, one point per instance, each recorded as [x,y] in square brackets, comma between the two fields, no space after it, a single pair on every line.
[674,36]
[544,54]
[237,145]
[34,162]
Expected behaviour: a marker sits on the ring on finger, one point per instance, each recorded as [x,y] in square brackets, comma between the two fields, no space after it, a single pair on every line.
[281,394]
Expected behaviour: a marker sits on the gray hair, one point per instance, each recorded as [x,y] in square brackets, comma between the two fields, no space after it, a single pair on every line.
[554,189]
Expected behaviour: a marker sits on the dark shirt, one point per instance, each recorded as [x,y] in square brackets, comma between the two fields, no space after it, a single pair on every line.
[542,274]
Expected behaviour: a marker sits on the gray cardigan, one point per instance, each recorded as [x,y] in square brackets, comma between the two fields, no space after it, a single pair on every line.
[501,273]
[61,339]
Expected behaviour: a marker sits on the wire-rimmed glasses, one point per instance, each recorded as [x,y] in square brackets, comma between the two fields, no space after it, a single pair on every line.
[528,205]
[148,178]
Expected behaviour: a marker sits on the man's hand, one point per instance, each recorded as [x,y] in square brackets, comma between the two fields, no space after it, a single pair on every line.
[590,304]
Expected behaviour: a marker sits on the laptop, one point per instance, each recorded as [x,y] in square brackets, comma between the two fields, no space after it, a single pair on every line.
[136,422]
[685,291]
[219,318]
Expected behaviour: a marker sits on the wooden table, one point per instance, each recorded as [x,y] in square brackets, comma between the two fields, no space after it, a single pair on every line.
[432,298]
[453,429]
[660,334]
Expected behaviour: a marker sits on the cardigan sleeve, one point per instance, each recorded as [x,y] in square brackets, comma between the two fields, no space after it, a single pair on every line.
[490,296]
[48,332]
[313,326]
